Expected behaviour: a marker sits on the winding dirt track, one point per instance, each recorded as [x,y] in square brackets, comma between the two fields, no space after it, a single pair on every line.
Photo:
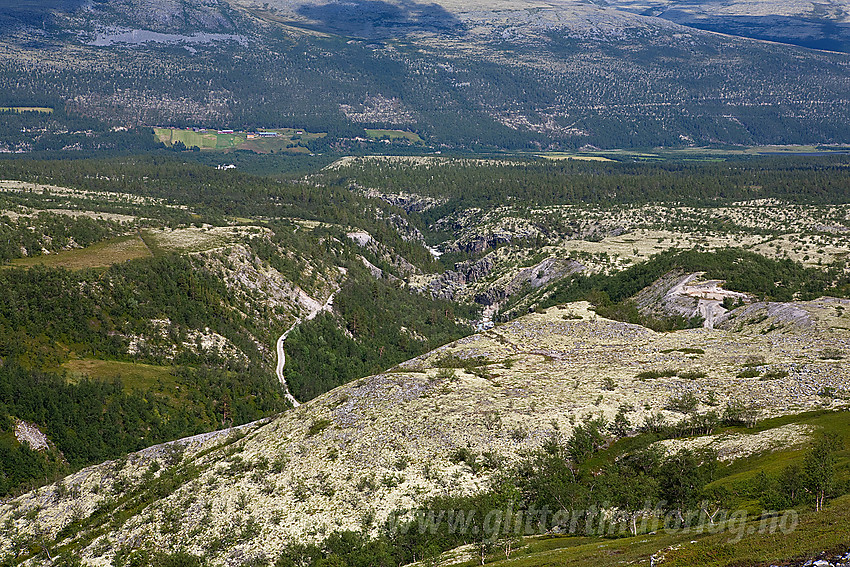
[281,355]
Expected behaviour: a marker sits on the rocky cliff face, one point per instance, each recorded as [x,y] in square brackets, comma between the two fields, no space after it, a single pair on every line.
[450,284]
[688,296]
[352,457]
[489,281]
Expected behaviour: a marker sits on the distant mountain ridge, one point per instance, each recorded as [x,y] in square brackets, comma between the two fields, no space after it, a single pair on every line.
[512,74]
[819,25]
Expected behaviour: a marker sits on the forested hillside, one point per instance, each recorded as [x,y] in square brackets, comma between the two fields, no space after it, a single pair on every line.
[373,283]
[378,324]
[537,183]
[121,296]
[518,234]
[157,287]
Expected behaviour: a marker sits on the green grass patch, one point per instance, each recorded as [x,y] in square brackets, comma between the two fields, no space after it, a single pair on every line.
[378,134]
[773,462]
[686,350]
[816,533]
[284,139]
[828,531]
[584,551]
[40,109]
[318,426]
[748,373]
[655,374]
[205,140]
[753,361]
[573,156]
[100,255]
[774,374]
[133,375]
[831,354]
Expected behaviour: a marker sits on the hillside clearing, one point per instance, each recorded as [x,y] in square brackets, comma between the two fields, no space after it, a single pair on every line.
[39,109]
[100,255]
[133,375]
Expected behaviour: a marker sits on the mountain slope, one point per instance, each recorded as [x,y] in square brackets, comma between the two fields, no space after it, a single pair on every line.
[513,75]
[442,423]
[129,321]
[820,25]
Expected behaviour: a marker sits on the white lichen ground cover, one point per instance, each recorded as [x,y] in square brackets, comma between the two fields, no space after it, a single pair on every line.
[351,457]
[67,193]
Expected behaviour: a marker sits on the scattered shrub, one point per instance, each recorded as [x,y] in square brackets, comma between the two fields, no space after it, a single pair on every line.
[654,374]
[774,374]
[685,403]
[318,426]
[749,373]
[831,354]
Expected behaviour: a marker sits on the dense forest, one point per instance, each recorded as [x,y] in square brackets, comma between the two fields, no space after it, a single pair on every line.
[377,324]
[49,312]
[40,133]
[50,232]
[537,183]
[96,312]
[91,421]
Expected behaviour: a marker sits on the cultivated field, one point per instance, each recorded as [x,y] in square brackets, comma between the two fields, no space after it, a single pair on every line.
[286,139]
[696,153]
[555,156]
[41,109]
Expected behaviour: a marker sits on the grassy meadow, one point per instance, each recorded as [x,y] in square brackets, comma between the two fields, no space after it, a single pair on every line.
[41,109]
[135,376]
[377,134]
[100,255]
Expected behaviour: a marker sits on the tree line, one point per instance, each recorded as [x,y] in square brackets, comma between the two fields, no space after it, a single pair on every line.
[812,180]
